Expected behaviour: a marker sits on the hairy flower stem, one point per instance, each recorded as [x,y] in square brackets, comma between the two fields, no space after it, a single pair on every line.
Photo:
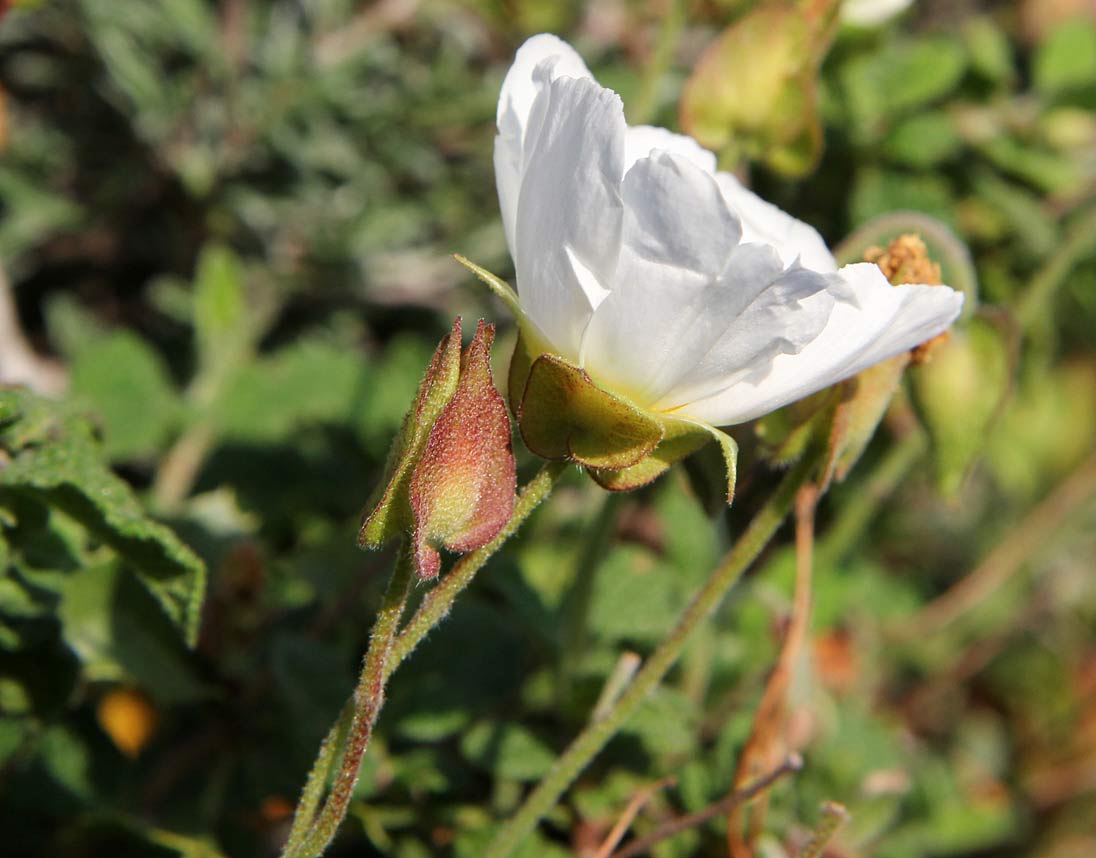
[437,603]
[595,736]
[314,836]
[311,833]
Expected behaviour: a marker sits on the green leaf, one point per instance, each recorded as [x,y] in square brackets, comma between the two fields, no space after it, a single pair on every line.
[885,85]
[880,192]
[507,751]
[925,140]
[220,312]
[960,393]
[989,49]
[116,629]
[55,459]
[1066,59]
[126,384]
[753,92]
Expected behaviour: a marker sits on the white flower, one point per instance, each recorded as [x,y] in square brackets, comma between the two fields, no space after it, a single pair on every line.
[871,13]
[668,282]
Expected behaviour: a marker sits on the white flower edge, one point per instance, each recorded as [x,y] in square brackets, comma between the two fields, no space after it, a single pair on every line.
[667,281]
[871,13]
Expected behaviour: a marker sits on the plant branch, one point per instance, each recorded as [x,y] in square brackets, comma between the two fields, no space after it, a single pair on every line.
[767,741]
[720,808]
[630,812]
[596,734]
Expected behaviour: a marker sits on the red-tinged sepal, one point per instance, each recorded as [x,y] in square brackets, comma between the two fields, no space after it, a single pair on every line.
[389,512]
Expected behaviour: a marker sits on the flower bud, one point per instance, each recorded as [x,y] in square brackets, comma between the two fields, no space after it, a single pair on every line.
[450,479]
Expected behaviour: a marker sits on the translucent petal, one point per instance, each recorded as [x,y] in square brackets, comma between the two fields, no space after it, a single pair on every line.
[874,321]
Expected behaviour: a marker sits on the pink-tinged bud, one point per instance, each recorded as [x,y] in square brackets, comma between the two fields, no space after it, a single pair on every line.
[462,488]
[450,480]
[389,510]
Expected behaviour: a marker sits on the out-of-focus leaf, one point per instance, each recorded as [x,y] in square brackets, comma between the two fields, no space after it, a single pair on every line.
[1049,171]
[753,92]
[636,597]
[1025,218]
[887,84]
[1046,430]
[507,751]
[1066,58]
[666,724]
[879,192]
[959,394]
[119,633]
[312,381]
[221,325]
[55,459]
[924,140]
[30,213]
[126,384]
[989,49]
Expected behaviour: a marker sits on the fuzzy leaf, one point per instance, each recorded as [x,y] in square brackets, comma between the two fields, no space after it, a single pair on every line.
[55,459]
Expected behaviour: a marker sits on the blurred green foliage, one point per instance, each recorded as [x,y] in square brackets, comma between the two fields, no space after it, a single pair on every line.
[231,223]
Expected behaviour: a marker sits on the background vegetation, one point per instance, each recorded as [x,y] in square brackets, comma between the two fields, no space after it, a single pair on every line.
[226,230]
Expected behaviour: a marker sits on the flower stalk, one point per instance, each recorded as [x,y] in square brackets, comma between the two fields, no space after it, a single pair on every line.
[598,733]
[312,830]
[310,838]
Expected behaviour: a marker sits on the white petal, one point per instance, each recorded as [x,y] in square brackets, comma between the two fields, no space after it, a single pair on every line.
[677,237]
[869,13]
[520,88]
[879,321]
[762,221]
[642,140]
[788,309]
[519,91]
[569,211]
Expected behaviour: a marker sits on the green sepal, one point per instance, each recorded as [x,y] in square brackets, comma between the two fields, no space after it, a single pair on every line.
[499,287]
[680,438]
[389,512]
[856,417]
[564,415]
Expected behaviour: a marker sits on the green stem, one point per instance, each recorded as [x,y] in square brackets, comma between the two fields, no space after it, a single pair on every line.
[1079,242]
[305,815]
[315,836]
[595,736]
[576,608]
[437,603]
